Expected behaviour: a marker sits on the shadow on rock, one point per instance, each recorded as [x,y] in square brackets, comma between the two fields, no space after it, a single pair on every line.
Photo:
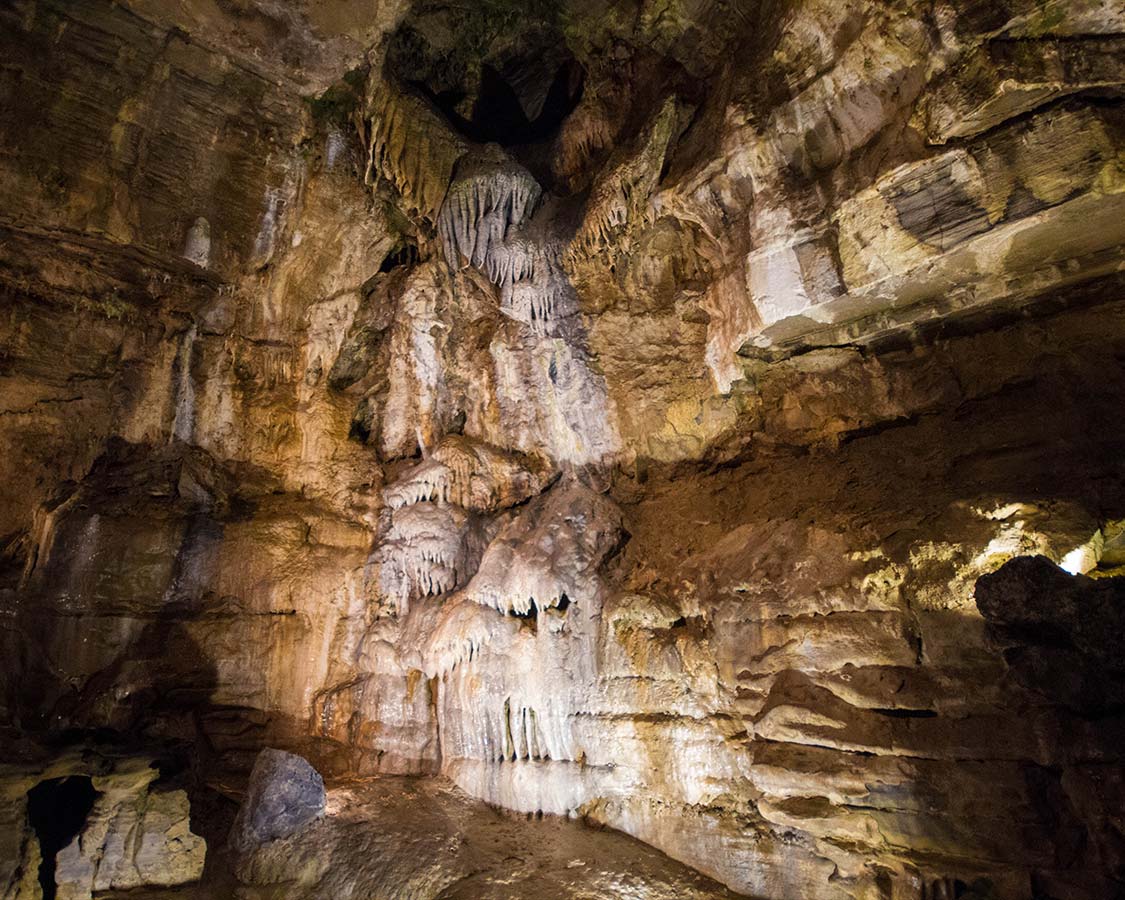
[1061,634]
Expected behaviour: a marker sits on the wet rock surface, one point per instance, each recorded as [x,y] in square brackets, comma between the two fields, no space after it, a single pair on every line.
[400,837]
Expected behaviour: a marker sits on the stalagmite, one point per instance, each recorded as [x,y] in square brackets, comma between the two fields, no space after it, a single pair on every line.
[197,244]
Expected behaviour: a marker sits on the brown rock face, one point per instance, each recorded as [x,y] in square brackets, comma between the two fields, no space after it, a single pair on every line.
[701,418]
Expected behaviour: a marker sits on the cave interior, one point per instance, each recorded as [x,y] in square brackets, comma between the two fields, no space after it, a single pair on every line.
[665,449]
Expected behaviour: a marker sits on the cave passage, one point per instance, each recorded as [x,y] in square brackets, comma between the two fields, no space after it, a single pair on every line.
[57,809]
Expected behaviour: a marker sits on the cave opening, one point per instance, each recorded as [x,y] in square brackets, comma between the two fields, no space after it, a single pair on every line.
[498,117]
[57,809]
[404,255]
[499,73]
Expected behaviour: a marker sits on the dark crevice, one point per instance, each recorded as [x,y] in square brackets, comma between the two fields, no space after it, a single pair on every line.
[361,425]
[900,713]
[879,428]
[57,810]
[404,255]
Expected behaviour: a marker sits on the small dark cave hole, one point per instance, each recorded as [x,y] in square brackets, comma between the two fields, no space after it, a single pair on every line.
[171,767]
[405,254]
[57,810]
[899,712]
[359,430]
[564,602]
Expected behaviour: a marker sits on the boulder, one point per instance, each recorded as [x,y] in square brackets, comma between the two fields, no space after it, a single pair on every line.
[1060,634]
[285,794]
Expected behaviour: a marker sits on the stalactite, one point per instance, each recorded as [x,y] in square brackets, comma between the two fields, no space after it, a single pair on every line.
[516,259]
[417,368]
[526,736]
[528,270]
[483,721]
[430,481]
[542,560]
[423,553]
[183,421]
[621,196]
[587,131]
[521,595]
[411,146]
[469,474]
[461,632]
[489,195]
[462,461]
[538,303]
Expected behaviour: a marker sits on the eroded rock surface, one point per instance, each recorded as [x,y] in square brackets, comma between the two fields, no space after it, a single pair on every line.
[88,823]
[396,837]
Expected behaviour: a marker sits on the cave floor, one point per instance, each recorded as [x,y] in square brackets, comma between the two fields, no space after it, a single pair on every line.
[424,839]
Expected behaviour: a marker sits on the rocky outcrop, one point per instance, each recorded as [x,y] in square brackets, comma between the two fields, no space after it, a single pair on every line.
[131,844]
[1061,632]
[89,823]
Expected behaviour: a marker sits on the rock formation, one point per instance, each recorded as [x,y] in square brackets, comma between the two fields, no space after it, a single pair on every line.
[283,796]
[700,418]
[95,823]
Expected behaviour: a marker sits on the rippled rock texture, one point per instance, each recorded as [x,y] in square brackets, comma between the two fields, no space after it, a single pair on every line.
[701,417]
